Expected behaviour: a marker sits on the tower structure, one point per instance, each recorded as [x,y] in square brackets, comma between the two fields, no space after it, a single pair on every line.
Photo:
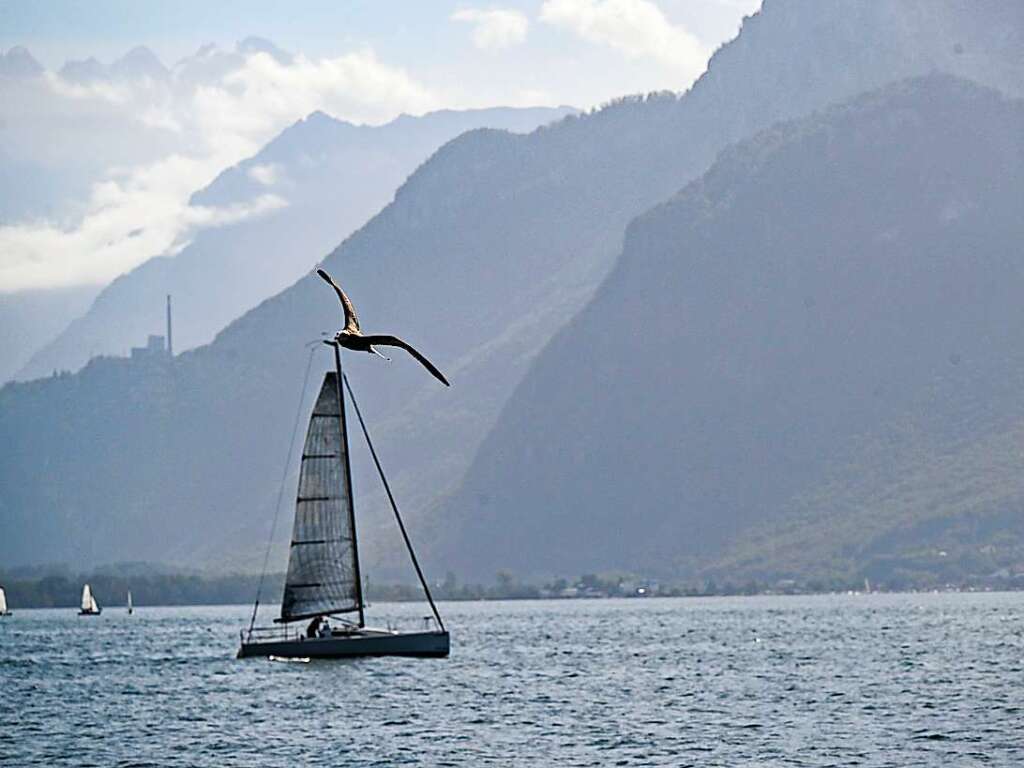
[170,346]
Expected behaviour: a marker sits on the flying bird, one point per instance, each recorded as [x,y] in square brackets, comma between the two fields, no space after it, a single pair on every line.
[350,337]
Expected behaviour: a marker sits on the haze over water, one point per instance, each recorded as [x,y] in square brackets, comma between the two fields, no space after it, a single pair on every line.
[931,680]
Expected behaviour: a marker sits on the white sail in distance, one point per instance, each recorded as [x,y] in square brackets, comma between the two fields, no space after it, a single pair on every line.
[3,601]
[88,601]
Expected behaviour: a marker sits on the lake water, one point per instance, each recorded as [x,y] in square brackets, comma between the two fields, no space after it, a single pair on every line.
[872,680]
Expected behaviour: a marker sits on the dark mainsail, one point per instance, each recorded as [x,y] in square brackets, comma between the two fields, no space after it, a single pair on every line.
[323,567]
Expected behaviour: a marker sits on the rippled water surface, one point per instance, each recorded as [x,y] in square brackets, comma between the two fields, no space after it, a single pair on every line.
[893,680]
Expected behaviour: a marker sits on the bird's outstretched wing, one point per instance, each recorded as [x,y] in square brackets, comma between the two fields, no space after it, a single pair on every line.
[351,319]
[385,340]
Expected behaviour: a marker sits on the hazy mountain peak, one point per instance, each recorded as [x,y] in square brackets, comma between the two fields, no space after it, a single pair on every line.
[83,70]
[208,49]
[318,114]
[317,119]
[18,62]
[253,44]
[209,64]
[843,45]
[139,62]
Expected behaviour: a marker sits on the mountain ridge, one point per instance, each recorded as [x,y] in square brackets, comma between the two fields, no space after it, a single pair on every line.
[225,269]
[759,365]
[486,251]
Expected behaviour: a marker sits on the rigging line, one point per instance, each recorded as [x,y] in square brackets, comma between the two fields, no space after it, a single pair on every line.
[394,505]
[280,490]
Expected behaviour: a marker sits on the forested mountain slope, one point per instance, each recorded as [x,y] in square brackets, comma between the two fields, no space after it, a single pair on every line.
[809,362]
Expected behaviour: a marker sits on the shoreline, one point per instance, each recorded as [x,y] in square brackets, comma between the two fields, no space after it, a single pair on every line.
[576,598]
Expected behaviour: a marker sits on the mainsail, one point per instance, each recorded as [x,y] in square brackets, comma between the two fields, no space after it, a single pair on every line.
[3,601]
[88,601]
[323,566]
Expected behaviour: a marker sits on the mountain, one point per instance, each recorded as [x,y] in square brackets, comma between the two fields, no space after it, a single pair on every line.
[806,364]
[315,183]
[30,190]
[83,71]
[18,62]
[64,133]
[253,44]
[139,63]
[486,251]
[28,319]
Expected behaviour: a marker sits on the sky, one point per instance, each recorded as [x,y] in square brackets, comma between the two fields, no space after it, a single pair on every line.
[100,167]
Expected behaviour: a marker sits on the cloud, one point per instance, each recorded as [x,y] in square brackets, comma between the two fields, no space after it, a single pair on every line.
[746,7]
[532,97]
[495,28]
[142,214]
[141,210]
[266,174]
[264,95]
[636,28]
[102,90]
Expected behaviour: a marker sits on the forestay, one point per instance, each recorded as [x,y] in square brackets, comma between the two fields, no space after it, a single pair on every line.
[322,571]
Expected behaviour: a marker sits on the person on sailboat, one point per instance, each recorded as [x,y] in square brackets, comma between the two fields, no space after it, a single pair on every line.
[313,630]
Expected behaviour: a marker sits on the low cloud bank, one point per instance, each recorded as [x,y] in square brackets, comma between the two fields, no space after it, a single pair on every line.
[211,111]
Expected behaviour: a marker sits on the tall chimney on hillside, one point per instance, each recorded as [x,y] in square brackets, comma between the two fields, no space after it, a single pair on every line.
[170,346]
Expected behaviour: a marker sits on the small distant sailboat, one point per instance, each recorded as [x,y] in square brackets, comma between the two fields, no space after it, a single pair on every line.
[89,605]
[130,609]
[4,611]
[323,578]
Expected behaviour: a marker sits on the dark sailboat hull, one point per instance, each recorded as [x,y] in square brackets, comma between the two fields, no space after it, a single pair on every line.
[349,645]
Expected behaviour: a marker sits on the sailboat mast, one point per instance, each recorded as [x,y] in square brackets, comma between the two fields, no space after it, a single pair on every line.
[348,479]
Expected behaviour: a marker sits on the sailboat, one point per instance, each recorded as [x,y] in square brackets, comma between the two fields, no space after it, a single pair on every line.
[89,605]
[323,580]
[3,603]
[130,609]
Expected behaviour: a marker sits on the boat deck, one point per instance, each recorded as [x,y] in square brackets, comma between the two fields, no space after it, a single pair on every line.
[345,644]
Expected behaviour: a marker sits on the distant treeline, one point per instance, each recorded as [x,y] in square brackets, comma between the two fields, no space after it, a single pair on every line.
[111,589]
[64,591]
[155,588]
